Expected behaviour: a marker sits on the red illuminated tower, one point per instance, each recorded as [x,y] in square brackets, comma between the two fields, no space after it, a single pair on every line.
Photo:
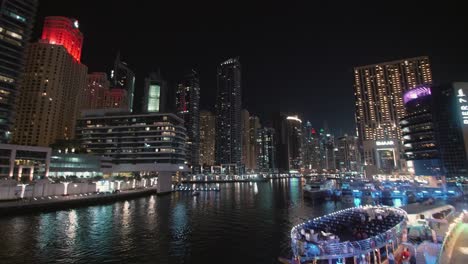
[63,31]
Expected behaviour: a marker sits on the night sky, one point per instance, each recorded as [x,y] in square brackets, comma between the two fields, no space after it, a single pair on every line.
[295,57]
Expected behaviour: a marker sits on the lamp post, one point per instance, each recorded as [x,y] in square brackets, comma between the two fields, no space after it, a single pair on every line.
[65,188]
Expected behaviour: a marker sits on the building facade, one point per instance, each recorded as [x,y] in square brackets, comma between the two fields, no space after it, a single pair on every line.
[122,77]
[96,91]
[16,23]
[419,133]
[207,138]
[228,113]
[133,139]
[24,163]
[188,107]
[116,98]
[266,150]
[77,165]
[54,82]
[379,92]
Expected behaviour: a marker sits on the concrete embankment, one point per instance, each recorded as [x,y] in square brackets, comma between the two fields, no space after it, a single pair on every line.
[55,203]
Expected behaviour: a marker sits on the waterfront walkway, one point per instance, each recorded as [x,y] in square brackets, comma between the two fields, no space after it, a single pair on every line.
[64,202]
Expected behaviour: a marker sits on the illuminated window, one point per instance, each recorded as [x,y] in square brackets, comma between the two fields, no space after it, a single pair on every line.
[154,98]
[6,79]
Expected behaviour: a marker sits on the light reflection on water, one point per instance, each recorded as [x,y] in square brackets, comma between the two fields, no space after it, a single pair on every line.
[243,223]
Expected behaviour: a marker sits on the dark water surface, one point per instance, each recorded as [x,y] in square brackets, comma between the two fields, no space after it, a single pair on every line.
[243,223]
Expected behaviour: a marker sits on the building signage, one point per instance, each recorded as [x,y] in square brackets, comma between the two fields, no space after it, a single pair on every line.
[463,101]
[384,143]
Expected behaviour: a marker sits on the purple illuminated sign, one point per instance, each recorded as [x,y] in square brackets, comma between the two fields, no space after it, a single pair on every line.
[415,93]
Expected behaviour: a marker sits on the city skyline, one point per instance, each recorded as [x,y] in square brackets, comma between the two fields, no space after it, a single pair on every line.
[312,55]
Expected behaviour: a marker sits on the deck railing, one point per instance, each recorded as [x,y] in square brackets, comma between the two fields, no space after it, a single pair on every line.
[348,249]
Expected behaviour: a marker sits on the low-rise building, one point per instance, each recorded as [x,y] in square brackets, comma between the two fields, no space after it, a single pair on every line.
[78,165]
[24,163]
[137,144]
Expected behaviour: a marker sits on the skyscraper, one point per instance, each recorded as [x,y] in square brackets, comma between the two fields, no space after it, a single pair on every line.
[435,130]
[288,142]
[16,22]
[54,81]
[308,147]
[207,138]
[188,107]
[379,107]
[228,113]
[245,136]
[347,154]
[155,94]
[254,127]
[327,151]
[266,150]
[122,77]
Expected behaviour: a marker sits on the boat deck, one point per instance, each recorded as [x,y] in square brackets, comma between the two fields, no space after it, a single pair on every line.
[417,208]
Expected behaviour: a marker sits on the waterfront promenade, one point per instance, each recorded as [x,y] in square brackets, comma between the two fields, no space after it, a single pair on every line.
[51,203]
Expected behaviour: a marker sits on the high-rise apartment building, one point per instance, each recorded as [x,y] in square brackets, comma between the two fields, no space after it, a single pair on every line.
[53,83]
[122,77]
[266,150]
[347,154]
[16,22]
[288,142]
[327,151]
[207,138]
[254,127]
[379,92]
[228,113]
[310,149]
[96,91]
[245,136]
[155,94]
[188,107]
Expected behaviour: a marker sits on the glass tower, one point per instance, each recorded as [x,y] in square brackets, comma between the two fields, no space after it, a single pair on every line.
[228,113]
[16,22]
[188,107]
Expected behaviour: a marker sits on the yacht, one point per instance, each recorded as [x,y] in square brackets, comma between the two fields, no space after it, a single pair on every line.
[318,190]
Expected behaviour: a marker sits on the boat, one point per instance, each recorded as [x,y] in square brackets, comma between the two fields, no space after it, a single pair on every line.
[347,196]
[317,190]
[195,193]
[428,212]
[353,235]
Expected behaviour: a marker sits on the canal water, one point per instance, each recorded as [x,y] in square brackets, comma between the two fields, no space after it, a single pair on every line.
[243,223]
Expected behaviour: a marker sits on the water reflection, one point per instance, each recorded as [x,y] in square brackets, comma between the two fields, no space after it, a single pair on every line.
[72,226]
